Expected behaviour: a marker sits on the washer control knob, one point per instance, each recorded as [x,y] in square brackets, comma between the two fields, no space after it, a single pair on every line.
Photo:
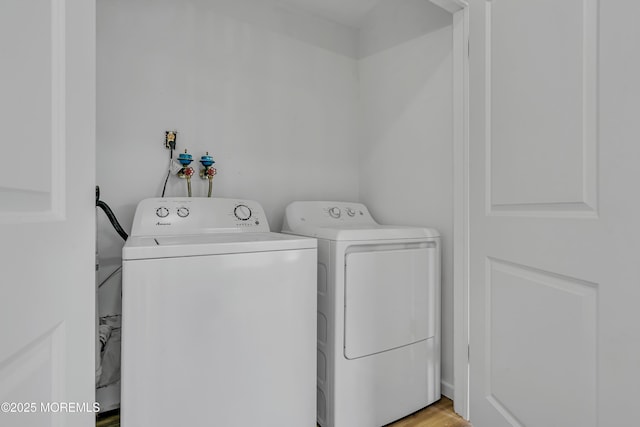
[183,212]
[334,212]
[351,212]
[162,212]
[242,212]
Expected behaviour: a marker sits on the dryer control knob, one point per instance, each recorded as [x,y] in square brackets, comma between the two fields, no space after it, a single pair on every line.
[162,212]
[351,212]
[335,212]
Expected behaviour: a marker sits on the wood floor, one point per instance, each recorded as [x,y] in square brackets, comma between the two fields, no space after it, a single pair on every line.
[440,414]
[108,419]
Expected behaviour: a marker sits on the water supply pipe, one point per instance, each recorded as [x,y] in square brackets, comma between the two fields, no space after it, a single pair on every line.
[186,172]
[208,171]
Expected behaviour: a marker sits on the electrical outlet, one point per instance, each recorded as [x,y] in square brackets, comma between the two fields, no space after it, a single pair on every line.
[170,137]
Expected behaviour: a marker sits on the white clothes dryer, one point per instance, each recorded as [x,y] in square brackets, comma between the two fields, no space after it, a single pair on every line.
[378,314]
[219,318]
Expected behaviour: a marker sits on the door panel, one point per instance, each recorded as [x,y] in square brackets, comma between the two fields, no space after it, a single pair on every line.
[553,229]
[540,108]
[47,195]
[541,344]
[32,90]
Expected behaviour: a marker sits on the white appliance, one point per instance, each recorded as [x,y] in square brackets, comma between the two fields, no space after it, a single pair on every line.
[378,314]
[219,318]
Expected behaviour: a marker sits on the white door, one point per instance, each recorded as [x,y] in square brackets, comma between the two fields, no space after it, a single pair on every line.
[47,233]
[554,213]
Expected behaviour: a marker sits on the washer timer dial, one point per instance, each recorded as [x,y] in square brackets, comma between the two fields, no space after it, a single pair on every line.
[242,212]
[335,212]
[162,212]
[183,212]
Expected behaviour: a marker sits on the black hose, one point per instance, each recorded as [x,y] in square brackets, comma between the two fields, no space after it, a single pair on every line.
[164,188]
[112,218]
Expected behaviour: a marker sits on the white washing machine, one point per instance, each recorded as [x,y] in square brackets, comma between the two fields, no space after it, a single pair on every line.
[378,314]
[219,318]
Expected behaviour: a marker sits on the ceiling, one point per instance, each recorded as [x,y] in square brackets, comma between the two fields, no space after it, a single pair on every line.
[346,12]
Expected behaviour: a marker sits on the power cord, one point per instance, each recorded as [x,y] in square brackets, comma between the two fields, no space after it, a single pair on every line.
[164,187]
[170,143]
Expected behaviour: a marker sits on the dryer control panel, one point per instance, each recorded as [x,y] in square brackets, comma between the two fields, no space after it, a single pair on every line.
[344,221]
[327,214]
[197,215]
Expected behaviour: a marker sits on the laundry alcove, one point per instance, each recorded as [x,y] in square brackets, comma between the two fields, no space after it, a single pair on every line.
[295,100]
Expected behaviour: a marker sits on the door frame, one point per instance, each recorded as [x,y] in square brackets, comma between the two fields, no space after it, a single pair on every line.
[460,12]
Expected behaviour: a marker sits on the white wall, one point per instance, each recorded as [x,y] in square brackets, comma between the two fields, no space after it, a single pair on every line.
[393,22]
[405,151]
[264,89]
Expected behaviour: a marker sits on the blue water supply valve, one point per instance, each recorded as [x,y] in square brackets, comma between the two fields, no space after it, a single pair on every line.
[185,158]
[206,160]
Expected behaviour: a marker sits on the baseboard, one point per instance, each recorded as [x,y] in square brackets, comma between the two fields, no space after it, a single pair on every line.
[446,389]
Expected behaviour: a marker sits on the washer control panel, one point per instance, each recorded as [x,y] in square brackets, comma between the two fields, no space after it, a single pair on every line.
[197,215]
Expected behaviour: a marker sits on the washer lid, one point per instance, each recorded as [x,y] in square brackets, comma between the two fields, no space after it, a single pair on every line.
[146,247]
